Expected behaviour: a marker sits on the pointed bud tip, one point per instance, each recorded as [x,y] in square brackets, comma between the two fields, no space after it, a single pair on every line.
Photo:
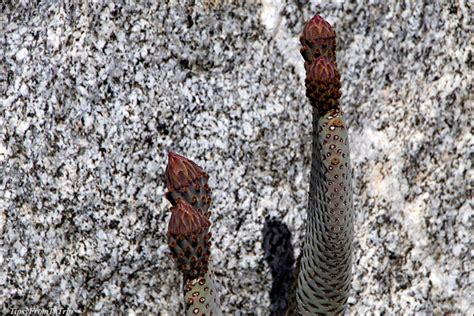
[181,172]
[173,156]
[317,18]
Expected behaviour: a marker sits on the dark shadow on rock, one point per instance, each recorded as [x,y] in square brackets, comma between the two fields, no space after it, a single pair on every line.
[280,257]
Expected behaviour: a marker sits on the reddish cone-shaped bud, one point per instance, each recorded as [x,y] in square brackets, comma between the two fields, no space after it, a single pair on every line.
[317,28]
[189,239]
[186,180]
[323,85]
[318,39]
[181,172]
[186,220]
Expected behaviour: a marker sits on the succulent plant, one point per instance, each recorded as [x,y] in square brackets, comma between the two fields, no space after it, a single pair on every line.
[324,271]
[188,233]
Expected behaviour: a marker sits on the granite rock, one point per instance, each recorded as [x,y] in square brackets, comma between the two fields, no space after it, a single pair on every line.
[94,95]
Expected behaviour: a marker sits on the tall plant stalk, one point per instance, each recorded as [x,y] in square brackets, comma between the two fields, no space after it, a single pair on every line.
[324,271]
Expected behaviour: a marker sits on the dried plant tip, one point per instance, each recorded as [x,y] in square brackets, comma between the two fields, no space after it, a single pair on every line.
[181,172]
[186,220]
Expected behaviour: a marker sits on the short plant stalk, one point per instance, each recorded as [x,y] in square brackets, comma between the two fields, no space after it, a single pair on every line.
[188,234]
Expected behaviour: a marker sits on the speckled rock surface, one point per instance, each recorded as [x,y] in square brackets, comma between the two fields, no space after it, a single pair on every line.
[94,96]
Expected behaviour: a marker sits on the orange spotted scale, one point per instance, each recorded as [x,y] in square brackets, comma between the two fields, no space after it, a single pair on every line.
[201,296]
[325,272]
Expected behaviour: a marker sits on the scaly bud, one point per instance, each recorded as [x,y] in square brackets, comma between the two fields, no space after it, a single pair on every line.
[323,85]
[318,39]
[186,180]
[188,239]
